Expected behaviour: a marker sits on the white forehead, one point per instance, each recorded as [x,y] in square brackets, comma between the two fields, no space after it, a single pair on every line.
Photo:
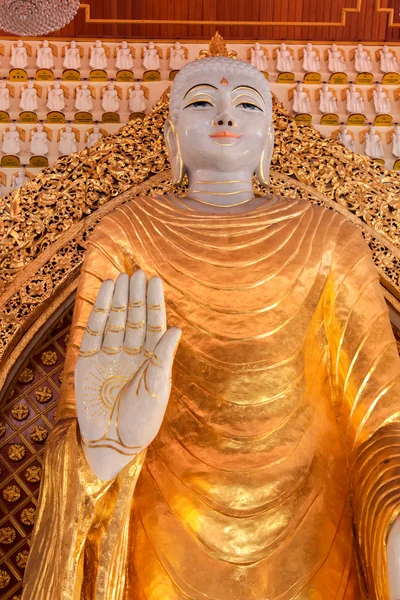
[212,71]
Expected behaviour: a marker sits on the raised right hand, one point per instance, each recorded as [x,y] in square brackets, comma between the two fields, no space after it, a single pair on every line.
[123,373]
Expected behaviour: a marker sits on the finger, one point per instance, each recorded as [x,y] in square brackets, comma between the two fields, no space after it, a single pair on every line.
[156,316]
[136,322]
[93,335]
[115,327]
[164,353]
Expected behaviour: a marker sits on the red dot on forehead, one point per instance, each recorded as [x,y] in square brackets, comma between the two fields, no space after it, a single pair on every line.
[224,81]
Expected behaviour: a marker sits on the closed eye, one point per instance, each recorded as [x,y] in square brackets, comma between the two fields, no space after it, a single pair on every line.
[199,104]
[249,106]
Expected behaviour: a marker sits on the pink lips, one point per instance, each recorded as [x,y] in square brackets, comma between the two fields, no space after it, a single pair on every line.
[224,134]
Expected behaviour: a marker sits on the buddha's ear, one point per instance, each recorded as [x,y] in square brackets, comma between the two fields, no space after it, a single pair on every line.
[262,172]
[174,153]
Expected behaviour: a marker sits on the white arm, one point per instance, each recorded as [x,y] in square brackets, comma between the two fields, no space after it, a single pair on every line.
[393,556]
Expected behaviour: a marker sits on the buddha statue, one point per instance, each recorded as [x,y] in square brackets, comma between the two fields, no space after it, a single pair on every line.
[45,56]
[29,97]
[19,55]
[98,56]
[335,59]
[11,140]
[136,98]
[83,99]
[110,100]
[94,136]
[345,138]
[373,143]
[68,142]
[388,60]
[5,101]
[258,58]
[284,60]
[362,60]
[151,58]
[56,97]
[396,141]
[327,100]
[231,381]
[124,58]
[39,141]
[310,59]
[301,102]
[72,58]
[177,57]
[381,100]
[18,179]
[354,100]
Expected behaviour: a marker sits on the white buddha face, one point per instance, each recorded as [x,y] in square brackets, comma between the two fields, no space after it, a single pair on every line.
[20,43]
[309,46]
[21,173]
[45,44]
[39,128]
[223,119]
[353,87]
[397,129]
[124,44]
[372,129]
[334,47]
[57,85]
[299,87]
[96,129]
[257,46]
[98,44]
[151,45]
[177,45]
[360,47]
[30,84]
[343,129]
[378,87]
[84,85]
[110,86]
[2,84]
[325,87]
[73,44]
[13,127]
[68,129]
[137,86]
[283,46]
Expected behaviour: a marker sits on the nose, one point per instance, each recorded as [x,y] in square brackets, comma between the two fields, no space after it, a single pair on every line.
[224,116]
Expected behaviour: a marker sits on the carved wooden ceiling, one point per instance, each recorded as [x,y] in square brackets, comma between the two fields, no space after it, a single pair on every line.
[317,20]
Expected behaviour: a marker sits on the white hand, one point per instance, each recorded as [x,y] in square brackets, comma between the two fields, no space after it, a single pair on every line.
[123,373]
[393,556]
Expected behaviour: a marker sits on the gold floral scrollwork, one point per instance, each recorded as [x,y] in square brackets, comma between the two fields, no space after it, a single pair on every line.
[33,474]
[20,412]
[43,394]
[7,535]
[4,579]
[2,428]
[49,358]
[22,558]
[12,493]
[39,434]
[16,452]
[26,376]
[28,516]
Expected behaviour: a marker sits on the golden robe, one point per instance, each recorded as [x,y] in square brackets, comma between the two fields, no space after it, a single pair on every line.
[276,472]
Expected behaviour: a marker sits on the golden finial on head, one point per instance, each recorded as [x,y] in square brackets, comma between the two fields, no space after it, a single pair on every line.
[217,47]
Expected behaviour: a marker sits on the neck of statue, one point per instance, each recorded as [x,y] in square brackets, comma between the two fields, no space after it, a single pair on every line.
[220,190]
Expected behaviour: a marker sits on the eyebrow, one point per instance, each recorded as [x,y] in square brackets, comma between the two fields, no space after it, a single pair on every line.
[200,85]
[248,87]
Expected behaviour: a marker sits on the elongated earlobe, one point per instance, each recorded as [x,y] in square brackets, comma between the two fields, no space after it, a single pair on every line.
[262,172]
[174,153]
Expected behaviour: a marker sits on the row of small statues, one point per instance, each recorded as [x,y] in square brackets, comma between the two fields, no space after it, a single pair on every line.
[353,96]
[178,56]
[39,140]
[98,56]
[373,142]
[84,95]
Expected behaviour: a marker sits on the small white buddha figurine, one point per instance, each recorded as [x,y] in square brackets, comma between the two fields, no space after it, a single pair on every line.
[5,102]
[381,100]
[19,56]
[98,57]
[110,100]
[72,58]
[68,142]
[396,141]
[151,59]
[11,141]
[94,137]
[29,97]
[335,60]
[310,59]
[83,100]
[45,56]
[373,144]
[301,102]
[354,101]
[362,61]
[345,138]
[177,58]
[388,60]
[137,99]
[39,142]
[258,58]
[327,100]
[56,98]
[124,58]
[19,179]
[284,60]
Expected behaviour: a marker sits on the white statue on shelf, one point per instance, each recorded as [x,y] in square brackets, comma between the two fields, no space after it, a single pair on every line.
[72,58]
[5,102]
[29,97]
[68,142]
[258,58]
[362,61]
[19,179]
[94,136]
[110,100]
[396,142]
[83,100]
[19,56]
[177,58]
[327,100]
[345,138]
[56,98]
[335,60]
[137,99]
[45,56]
[151,59]
[301,102]
[354,100]
[310,59]
[284,60]
[98,56]
[388,60]
[11,141]
[381,100]
[39,142]
[124,57]
[373,144]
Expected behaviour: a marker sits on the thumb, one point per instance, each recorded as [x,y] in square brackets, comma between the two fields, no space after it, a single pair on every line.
[164,352]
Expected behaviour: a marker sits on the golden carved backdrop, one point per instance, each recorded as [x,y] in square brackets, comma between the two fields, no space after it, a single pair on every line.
[45,228]
[342,20]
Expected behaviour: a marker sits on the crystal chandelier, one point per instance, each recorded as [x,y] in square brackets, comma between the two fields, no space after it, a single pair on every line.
[36,17]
